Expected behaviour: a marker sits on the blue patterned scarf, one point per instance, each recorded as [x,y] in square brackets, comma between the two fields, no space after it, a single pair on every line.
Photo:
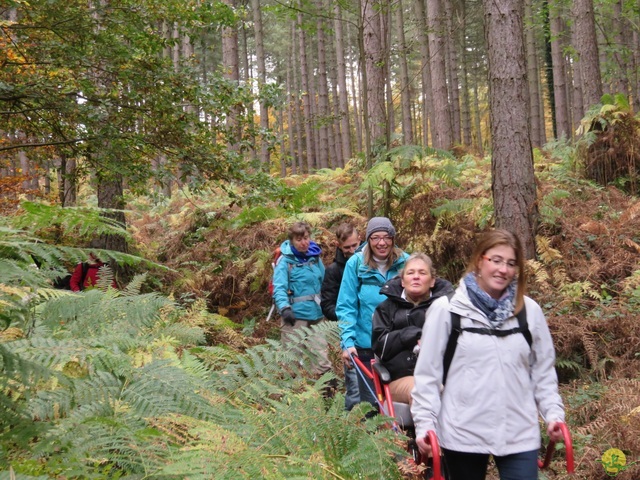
[497,311]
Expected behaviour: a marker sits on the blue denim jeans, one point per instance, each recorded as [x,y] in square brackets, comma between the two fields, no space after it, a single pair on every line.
[365,385]
[473,466]
[352,395]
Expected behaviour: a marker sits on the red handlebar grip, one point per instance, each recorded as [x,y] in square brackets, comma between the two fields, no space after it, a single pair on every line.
[432,440]
[568,445]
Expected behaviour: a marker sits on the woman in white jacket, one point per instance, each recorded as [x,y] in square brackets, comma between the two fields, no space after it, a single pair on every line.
[497,384]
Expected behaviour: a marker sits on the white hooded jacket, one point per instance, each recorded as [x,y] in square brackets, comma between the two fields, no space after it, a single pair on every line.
[496,386]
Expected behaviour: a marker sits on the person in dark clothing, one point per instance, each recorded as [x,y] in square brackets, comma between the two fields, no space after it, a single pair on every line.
[398,321]
[348,241]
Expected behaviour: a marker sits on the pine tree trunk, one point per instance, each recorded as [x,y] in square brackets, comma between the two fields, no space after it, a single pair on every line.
[513,181]
[110,196]
[548,62]
[405,85]
[587,48]
[262,78]
[290,107]
[465,108]
[335,134]
[296,101]
[636,67]
[343,96]
[231,71]
[559,76]
[443,135]
[67,185]
[354,76]
[248,80]
[533,77]
[323,94]
[427,90]
[452,69]
[374,69]
[477,121]
[466,104]
[306,97]
[386,24]
[620,24]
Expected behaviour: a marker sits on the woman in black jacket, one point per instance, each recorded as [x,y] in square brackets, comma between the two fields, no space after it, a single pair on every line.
[398,321]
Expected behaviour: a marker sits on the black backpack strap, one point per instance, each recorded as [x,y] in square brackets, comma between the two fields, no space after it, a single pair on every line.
[85,269]
[523,327]
[452,343]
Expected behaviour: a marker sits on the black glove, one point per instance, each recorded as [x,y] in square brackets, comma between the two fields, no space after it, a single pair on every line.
[288,316]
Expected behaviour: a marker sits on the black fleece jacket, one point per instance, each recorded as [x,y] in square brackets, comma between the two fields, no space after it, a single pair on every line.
[331,286]
[397,326]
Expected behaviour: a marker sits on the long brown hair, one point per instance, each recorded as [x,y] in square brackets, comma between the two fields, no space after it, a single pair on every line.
[394,255]
[493,239]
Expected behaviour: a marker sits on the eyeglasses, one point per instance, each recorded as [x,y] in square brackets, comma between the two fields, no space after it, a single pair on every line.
[499,262]
[386,239]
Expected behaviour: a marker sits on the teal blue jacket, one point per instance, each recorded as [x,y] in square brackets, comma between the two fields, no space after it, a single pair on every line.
[358,298]
[296,284]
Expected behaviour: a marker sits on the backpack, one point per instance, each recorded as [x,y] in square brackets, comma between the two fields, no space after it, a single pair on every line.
[64,283]
[452,343]
[276,257]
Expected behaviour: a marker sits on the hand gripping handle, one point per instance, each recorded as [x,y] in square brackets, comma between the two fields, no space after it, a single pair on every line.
[568,445]
[432,440]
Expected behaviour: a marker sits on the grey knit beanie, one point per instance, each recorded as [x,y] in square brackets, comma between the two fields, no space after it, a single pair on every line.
[380,224]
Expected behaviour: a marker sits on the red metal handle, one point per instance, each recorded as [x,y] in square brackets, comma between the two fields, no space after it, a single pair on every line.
[568,445]
[432,440]
[366,370]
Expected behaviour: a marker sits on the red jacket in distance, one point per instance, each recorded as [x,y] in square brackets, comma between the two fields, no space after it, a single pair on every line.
[90,279]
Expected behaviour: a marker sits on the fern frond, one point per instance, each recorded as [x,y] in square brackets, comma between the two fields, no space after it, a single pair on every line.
[134,287]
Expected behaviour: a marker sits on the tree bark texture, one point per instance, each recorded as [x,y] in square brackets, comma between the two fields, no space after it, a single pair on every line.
[587,48]
[231,70]
[452,68]
[563,125]
[306,97]
[405,85]
[343,97]
[262,76]
[513,182]
[443,136]
[533,76]
[427,90]
[110,196]
[323,95]
[373,41]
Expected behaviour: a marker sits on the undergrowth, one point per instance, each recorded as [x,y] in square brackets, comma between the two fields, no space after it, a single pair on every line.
[180,374]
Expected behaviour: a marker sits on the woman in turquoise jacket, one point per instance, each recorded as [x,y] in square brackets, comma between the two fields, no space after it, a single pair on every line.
[365,273]
[297,278]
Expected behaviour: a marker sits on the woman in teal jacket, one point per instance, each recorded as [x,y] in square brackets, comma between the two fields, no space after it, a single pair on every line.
[365,273]
[297,279]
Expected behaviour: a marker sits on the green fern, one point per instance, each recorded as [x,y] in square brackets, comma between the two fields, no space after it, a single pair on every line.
[117,381]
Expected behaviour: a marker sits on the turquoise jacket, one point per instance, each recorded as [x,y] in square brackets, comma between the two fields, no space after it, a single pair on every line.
[297,283]
[358,298]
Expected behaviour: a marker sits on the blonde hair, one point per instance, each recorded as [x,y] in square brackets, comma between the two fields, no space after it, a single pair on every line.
[493,239]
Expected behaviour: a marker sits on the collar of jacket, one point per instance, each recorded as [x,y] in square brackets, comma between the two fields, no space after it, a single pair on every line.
[340,258]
